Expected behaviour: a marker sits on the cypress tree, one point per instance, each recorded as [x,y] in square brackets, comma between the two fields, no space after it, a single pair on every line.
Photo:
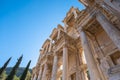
[4,66]
[25,71]
[14,70]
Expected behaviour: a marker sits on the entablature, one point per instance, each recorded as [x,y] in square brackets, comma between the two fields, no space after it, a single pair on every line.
[62,41]
[45,46]
[89,22]
[46,43]
[60,27]
[53,36]
[87,3]
[46,59]
[64,38]
[71,16]
[85,18]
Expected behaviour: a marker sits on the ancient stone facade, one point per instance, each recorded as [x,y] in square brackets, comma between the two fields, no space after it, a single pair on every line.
[86,48]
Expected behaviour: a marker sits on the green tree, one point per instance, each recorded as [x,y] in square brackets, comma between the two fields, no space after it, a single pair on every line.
[28,77]
[4,66]
[16,78]
[25,71]
[3,76]
[14,70]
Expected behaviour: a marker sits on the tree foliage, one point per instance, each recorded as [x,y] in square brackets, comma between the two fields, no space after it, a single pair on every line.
[4,66]
[25,71]
[16,78]
[28,77]
[14,70]
[3,76]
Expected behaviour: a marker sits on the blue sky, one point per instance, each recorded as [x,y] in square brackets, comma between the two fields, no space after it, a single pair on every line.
[26,24]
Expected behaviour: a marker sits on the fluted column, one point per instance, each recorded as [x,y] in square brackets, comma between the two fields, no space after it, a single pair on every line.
[109,28]
[44,72]
[55,67]
[40,74]
[65,63]
[92,67]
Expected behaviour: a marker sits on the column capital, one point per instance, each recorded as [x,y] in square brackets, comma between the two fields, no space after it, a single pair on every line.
[55,53]
[99,13]
[81,29]
[40,66]
[98,1]
[65,45]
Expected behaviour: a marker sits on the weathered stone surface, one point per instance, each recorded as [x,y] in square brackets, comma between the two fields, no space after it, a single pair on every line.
[86,48]
[114,73]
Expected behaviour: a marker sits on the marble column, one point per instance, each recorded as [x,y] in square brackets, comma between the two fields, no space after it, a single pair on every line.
[65,63]
[92,67]
[35,77]
[44,77]
[55,67]
[109,28]
[40,74]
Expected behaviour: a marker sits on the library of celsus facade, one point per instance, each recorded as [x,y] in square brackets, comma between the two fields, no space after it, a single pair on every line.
[87,47]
